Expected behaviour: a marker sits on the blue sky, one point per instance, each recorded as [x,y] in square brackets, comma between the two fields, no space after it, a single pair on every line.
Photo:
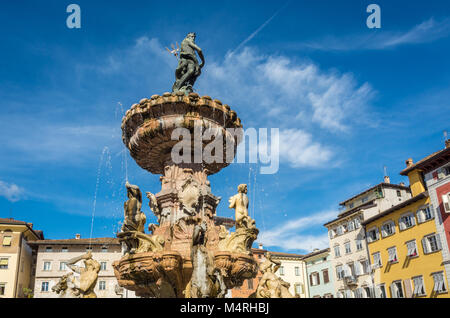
[348,100]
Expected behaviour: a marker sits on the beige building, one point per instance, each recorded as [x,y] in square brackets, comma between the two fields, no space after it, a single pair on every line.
[350,260]
[52,256]
[16,257]
[293,271]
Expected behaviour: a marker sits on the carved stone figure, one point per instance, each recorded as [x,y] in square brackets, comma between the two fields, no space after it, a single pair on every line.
[134,218]
[188,67]
[270,285]
[189,196]
[239,202]
[65,287]
[154,206]
[88,274]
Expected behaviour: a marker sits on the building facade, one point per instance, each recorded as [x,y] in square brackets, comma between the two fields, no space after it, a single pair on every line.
[405,248]
[319,277]
[436,172]
[16,257]
[293,271]
[348,248]
[51,264]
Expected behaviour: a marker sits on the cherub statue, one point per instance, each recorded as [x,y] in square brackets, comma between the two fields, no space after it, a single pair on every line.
[134,218]
[239,202]
[270,285]
[88,274]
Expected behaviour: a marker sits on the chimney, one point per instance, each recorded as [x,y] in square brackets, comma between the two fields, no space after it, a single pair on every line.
[316,250]
[447,143]
[77,236]
[409,162]
[387,179]
[402,184]
[30,225]
[260,246]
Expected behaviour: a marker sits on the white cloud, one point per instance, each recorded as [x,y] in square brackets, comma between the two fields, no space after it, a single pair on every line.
[289,234]
[11,192]
[281,90]
[425,32]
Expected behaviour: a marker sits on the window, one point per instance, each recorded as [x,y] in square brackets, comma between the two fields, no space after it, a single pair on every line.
[359,293]
[2,289]
[365,266]
[372,235]
[337,251]
[392,255]
[439,283]
[4,263]
[431,243]
[64,249]
[88,249]
[326,277]
[339,230]
[419,289]
[63,266]
[359,245]
[340,294]
[358,269]
[250,284]
[102,285]
[48,249]
[381,291]
[365,199]
[446,202]
[399,194]
[348,293]
[368,292]
[332,233]
[397,289]
[47,266]
[425,214]
[281,270]
[314,279]
[407,221]
[388,229]
[104,249]
[103,266]
[298,289]
[7,240]
[412,249]
[351,205]
[44,287]
[297,271]
[348,249]
[349,270]
[339,272]
[351,226]
[377,259]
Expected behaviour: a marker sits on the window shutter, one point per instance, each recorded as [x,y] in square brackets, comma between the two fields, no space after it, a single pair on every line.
[318,278]
[425,245]
[420,216]
[438,242]
[393,290]
[413,220]
[401,224]
[311,280]
[383,231]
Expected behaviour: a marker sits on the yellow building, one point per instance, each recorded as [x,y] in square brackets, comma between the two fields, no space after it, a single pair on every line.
[16,257]
[405,247]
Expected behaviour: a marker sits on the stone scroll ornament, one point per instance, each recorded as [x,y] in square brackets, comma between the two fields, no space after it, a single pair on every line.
[188,67]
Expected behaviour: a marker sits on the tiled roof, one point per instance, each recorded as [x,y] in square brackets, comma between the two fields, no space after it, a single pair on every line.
[429,162]
[344,214]
[93,241]
[12,221]
[314,253]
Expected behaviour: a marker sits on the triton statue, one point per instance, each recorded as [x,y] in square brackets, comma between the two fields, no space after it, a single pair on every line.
[188,67]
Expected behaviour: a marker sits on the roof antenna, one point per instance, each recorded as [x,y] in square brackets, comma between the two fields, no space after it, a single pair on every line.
[385,171]
[445,135]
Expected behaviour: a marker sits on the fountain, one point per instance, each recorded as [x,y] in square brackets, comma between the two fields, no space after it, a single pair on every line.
[186,254]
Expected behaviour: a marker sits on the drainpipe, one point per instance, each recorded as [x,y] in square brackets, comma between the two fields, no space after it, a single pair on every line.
[18,265]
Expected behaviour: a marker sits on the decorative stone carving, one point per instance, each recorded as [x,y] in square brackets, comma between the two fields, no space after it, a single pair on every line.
[270,285]
[239,202]
[88,275]
[65,287]
[189,196]
[134,218]
[154,206]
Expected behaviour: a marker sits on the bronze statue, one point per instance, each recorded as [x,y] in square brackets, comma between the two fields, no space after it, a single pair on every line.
[188,67]
[88,274]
